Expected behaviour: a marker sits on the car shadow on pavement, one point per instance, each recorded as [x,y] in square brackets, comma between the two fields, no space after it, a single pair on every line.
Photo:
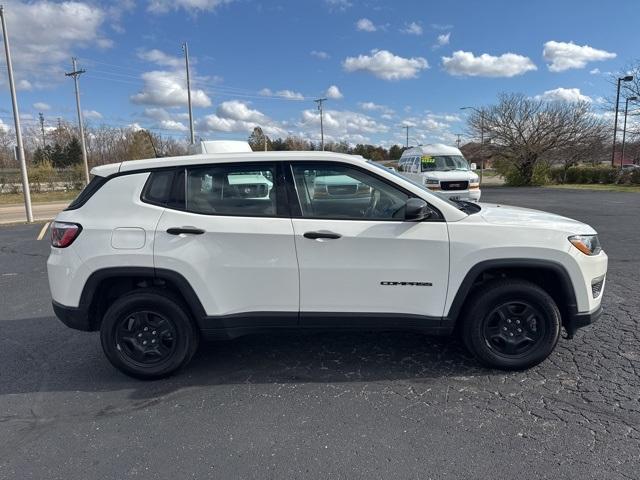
[40,354]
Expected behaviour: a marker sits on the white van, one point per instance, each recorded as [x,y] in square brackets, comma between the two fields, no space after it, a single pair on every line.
[441,168]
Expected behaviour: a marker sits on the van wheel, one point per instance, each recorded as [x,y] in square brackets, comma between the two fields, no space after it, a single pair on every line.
[148,335]
[511,324]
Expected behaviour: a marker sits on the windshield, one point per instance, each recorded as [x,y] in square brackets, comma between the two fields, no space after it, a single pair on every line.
[432,163]
[460,204]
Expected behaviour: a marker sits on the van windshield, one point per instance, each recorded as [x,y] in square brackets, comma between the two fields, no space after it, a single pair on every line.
[432,163]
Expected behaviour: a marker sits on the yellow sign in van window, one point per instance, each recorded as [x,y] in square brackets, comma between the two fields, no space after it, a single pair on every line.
[427,159]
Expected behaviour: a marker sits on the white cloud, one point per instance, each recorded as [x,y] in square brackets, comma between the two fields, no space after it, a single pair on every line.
[172,125]
[44,35]
[412,28]
[320,54]
[564,95]
[341,125]
[286,94]
[372,107]
[192,6]
[41,106]
[168,89]
[365,25]
[563,56]
[338,5]
[384,64]
[443,40]
[334,93]
[237,116]
[24,85]
[595,71]
[91,114]
[157,113]
[441,26]
[167,120]
[104,43]
[3,126]
[160,58]
[485,65]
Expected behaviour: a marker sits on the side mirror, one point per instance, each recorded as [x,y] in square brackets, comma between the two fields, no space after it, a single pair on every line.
[474,166]
[416,209]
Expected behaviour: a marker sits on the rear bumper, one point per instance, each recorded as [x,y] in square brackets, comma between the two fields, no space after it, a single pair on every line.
[72,317]
[579,320]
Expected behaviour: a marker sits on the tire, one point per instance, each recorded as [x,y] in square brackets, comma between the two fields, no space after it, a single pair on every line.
[511,324]
[148,334]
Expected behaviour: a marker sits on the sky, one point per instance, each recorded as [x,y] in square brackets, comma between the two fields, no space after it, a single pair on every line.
[380,64]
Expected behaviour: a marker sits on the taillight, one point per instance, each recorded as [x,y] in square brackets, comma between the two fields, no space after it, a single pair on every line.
[63,234]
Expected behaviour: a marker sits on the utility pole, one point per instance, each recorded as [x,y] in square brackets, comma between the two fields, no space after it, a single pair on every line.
[319,102]
[406,127]
[41,116]
[16,118]
[75,74]
[192,138]
[458,140]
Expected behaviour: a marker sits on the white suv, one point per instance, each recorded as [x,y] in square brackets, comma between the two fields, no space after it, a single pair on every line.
[156,254]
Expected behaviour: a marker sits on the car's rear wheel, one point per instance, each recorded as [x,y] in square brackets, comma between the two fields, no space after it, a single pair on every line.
[511,324]
[148,335]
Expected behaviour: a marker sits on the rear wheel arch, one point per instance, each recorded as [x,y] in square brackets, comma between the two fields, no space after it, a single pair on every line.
[551,276]
[106,285]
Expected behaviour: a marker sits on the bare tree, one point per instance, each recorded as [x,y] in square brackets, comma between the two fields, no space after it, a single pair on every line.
[527,131]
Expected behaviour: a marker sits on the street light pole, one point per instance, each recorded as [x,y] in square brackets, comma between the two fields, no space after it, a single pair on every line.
[16,118]
[624,128]
[192,138]
[627,78]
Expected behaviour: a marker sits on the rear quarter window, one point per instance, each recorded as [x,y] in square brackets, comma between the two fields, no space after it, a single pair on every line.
[92,187]
[158,187]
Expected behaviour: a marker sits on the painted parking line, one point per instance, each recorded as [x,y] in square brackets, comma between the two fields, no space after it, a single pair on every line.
[43,231]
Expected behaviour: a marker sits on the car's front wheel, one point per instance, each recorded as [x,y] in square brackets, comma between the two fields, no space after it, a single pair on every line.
[511,324]
[148,335]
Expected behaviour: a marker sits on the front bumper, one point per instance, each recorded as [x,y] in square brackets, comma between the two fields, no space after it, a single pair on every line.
[472,195]
[578,320]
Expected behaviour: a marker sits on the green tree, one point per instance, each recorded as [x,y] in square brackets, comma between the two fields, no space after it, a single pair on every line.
[257,140]
[73,153]
[395,152]
[140,146]
[58,157]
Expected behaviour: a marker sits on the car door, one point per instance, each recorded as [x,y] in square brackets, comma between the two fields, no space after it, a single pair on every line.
[359,260]
[226,229]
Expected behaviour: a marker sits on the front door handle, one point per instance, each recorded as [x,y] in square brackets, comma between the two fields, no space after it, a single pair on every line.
[322,234]
[189,230]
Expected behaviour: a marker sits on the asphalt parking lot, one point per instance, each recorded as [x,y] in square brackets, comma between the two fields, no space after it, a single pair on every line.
[329,405]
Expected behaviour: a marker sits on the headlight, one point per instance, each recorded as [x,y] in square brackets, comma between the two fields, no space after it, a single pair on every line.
[475,184]
[587,244]
[431,181]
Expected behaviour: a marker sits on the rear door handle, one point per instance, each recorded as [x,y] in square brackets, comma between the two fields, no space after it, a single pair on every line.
[189,230]
[322,234]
